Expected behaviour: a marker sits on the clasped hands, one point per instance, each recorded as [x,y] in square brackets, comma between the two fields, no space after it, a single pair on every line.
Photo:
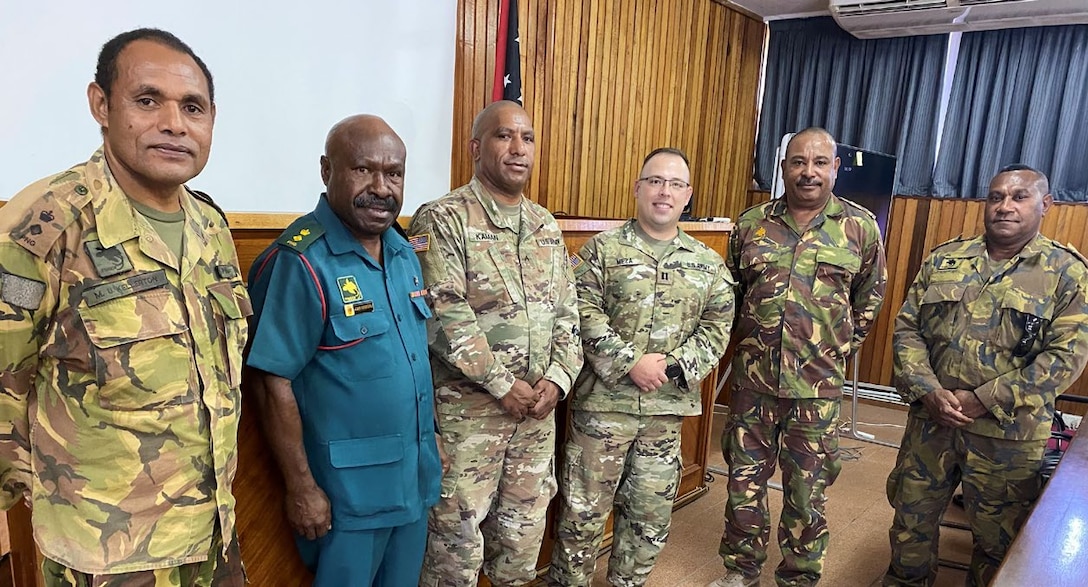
[955,409]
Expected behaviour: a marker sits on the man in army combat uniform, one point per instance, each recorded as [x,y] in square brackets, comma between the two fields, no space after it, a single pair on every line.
[122,324]
[656,306]
[505,349]
[992,330]
[811,271]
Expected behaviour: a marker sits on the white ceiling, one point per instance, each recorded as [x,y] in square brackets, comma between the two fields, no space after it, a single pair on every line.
[778,9]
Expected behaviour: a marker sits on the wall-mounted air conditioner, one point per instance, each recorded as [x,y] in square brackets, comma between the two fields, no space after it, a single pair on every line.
[867,19]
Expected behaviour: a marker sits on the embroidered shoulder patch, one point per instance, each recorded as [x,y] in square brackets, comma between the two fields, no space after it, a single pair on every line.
[421,243]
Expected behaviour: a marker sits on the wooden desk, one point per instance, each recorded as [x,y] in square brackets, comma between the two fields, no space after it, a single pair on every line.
[1052,547]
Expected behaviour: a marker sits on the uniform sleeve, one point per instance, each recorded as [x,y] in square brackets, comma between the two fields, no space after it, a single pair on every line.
[1059,363]
[914,376]
[289,320]
[567,359]
[700,353]
[28,300]
[610,357]
[867,288]
[456,337]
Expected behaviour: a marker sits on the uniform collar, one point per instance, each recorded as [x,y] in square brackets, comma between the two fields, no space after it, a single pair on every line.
[832,208]
[682,240]
[341,241]
[1032,249]
[115,217]
[531,221]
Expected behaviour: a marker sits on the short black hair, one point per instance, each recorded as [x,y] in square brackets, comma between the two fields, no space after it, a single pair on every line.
[106,72]
[666,151]
[814,130]
[1040,178]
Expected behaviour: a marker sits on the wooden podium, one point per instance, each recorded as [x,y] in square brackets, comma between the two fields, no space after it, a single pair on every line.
[267,544]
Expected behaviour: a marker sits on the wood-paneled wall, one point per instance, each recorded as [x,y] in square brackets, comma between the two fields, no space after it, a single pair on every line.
[606,82]
[915,226]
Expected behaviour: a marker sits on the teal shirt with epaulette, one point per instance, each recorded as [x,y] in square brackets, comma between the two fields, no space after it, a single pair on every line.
[350,334]
[1017,338]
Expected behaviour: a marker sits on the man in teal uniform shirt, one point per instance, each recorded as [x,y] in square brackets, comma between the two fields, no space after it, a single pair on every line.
[341,369]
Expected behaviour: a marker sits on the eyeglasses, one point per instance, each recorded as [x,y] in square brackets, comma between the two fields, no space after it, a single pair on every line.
[657,183]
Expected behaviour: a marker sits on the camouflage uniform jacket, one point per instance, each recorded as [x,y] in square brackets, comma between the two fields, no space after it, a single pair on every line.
[119,367]
[632,303]
[807,300]
[1017,340]
[504,301]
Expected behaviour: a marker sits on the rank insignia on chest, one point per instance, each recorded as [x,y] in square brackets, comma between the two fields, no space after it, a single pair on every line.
[349,289]
[107,261]
[421,243]
[948,263]
[665,277]
[358,308]
[761,232]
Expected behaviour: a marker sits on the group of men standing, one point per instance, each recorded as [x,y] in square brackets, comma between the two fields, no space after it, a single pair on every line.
[407,382]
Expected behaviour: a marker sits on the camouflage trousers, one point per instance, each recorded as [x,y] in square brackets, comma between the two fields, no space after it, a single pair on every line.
[627,460]
[802,435]
[1000,483]
[494,501]
[217,571]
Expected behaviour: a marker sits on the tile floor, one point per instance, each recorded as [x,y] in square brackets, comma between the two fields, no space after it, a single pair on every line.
[858,514]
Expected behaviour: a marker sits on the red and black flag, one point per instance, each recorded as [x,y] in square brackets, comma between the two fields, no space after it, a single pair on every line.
[508,55]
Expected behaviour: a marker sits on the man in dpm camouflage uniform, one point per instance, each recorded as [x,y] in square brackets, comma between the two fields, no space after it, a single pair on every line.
[656,306]
[505,348]
[811,272]
[122,323]
[992,330]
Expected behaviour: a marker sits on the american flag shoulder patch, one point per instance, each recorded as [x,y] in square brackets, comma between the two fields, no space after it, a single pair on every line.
[575,261]
[420,242]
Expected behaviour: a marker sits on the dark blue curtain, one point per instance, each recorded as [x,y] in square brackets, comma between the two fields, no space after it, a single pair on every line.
[1018,96]
[877,94]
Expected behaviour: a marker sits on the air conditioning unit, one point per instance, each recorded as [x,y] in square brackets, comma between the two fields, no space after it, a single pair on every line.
[868,19]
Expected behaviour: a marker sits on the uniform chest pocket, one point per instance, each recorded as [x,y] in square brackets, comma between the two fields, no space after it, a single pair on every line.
[835,269]
[233,307]
[140,351]
[1022,322]
[365,342]
[629,281]
[938,307]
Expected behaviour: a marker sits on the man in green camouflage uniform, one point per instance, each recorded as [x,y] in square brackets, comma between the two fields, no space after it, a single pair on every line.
[811,272]
[505,348]
[656,306]
[992,330]
[122,323]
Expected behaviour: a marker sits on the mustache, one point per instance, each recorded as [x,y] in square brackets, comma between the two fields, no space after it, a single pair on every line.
[366,200]
[808,182]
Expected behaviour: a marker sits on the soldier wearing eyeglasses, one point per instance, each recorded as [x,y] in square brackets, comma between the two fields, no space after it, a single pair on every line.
[656,306]
[811,271]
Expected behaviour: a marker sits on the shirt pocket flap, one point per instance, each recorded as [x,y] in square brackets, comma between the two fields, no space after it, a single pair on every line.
[233,305]
[943,292]
[365,325]
[134,318]
[364,452]
[839,257]
[420,302]
[1025,304]
[758,257]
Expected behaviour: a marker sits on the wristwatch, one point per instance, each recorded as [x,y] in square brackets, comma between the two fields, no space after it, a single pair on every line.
[676,374]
